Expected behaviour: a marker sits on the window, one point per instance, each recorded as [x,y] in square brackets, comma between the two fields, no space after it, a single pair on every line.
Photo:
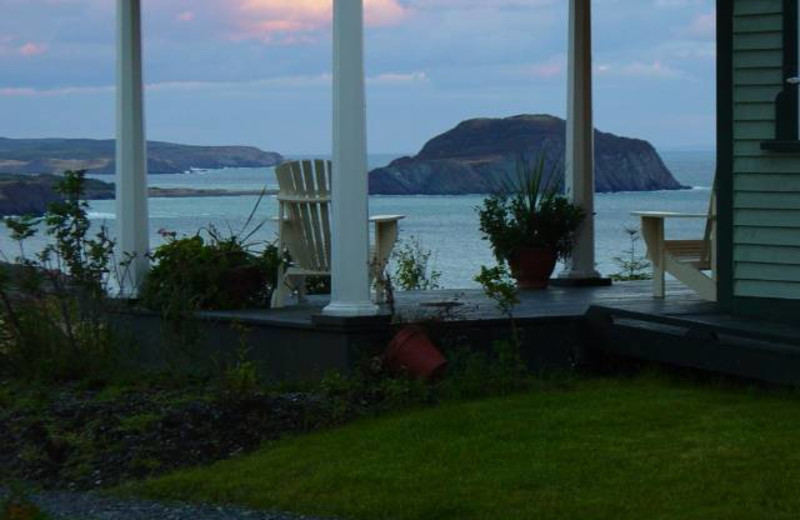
[787,107]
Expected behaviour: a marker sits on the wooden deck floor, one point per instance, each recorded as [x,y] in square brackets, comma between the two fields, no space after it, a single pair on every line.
[472,305]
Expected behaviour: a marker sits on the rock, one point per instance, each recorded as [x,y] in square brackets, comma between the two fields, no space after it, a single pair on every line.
[32,194]
[481,155]
[97,156]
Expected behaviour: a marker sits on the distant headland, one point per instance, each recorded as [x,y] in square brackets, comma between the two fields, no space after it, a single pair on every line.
[53,156]
[32,194]
[481,155]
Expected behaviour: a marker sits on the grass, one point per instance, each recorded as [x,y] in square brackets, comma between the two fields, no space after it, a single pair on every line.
[631,448]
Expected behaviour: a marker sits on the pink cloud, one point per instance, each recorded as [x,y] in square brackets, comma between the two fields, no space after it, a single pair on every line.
[553,67]
[32,49]
[185,16]
[17,92]
[703,26]
[279,21]
[547,70]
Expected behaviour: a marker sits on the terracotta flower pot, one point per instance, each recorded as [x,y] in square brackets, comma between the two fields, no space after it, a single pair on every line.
[532,267]
[412,351]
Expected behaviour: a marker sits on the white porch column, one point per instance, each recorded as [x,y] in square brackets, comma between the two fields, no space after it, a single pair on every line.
[350,293]
[131,160]
[580,138]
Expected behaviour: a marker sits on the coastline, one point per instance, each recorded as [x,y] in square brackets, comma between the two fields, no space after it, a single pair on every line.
[178,193]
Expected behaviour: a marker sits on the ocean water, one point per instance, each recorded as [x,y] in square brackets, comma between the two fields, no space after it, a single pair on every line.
[447,225]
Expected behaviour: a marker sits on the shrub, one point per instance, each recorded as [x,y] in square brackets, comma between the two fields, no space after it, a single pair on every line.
[211,272]
[414,271]
[53,306]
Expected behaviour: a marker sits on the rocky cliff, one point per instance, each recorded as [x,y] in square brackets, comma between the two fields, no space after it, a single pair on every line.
[32,194]
[480,155]
[56,155]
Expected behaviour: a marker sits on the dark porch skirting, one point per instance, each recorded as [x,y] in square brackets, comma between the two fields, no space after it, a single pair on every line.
[561,327]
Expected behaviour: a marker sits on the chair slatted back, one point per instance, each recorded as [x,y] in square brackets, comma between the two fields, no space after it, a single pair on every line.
[304,199]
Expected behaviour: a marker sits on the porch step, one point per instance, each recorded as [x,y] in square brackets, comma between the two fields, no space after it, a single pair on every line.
[759,350]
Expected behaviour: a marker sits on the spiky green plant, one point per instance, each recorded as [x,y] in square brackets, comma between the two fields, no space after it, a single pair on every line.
[530,211]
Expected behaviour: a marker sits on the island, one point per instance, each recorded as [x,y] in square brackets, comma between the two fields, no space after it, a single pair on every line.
[32,194]
[481,155]
[54,156]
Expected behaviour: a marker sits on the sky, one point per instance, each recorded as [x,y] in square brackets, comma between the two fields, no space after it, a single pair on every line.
[258,72]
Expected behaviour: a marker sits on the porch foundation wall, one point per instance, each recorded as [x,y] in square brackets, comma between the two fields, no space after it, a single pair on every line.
[307,353]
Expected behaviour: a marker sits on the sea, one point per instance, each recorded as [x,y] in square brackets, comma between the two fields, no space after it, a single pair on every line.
[445,225]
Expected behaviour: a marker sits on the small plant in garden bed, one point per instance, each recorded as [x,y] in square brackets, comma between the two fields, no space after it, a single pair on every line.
[18,506]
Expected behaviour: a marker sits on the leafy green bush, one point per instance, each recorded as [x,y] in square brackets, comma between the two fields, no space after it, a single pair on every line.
[53,306]
[214,272]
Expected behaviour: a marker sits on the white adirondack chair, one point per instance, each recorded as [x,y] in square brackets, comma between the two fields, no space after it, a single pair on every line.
[304,229]
[692,262]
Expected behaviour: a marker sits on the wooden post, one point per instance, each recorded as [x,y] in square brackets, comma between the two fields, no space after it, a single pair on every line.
[350,292]
[579,178]
[131,160]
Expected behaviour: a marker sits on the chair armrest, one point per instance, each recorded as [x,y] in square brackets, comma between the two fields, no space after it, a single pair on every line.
[379,219]
[670,214]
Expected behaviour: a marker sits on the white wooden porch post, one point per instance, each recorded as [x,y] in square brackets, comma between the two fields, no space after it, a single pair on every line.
[350,294]
[580,138]
[131,160]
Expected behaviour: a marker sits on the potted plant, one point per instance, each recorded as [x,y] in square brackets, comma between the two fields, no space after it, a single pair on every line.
[530,224]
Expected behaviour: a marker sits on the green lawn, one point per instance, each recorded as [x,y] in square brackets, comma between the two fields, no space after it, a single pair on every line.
[644,448]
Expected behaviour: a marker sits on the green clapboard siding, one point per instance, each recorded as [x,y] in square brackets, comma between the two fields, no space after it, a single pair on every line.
[756,93]
[758,59]
[754,112]
[767,254]
[772,164]
[767,218]
[768,272]
[784,290]
[758,41]
[754,235]
[748,148]
[766,184]
[760,8]
[760,199]
[760,76]
[758,24]
[757,130]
